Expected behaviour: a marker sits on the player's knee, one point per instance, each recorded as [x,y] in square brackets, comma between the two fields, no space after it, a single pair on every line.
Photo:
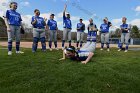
[43,40]
[17,40]
[35,40]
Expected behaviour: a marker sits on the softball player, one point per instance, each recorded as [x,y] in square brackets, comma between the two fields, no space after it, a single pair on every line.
[38,24]
[67,28]
[125,36]
[13,23]
[52,24]
[105,33]
[84,54]
[80,33]
[92,31]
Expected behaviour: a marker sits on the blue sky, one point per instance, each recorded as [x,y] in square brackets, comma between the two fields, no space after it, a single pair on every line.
[97,9]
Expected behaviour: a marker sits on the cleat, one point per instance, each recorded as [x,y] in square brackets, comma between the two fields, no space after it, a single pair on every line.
[126,51]
[108,50]
[101,49]
[119,50]
[50,49]
[19,52]
[9,53]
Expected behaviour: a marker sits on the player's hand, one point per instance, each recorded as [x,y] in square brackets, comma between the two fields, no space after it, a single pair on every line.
[65,7]
[84,62]
[35,19]
[62,59]
[8,29]
[46,28]
[45,19]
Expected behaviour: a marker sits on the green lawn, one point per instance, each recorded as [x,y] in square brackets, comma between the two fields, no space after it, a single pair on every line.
[108,72]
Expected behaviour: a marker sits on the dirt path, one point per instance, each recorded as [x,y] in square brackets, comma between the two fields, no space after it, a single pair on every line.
[29,45]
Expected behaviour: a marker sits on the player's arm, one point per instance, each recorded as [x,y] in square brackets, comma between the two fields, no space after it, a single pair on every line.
[64,12]
[34,21]
[65,7]
[6,16]
[88,28]
[126,29]
[78,27]
[44,23]
[22,26]
[110,24]
[7,25]
[89,58]
[96,28]
[84,27]
[64,56]
[57,26]
[122,29]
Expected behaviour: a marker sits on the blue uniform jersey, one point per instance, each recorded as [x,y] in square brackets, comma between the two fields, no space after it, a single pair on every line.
[81,55]
[14,18]
[52,24]
[80,27]
[67,22]
[105,27]
[40,22]
[92,27]
[124,26]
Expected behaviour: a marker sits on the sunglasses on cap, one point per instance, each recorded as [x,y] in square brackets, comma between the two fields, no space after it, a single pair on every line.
[70,49]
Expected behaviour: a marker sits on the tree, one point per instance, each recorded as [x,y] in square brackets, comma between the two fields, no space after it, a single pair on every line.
[135,32]
[3,32]
[116,33]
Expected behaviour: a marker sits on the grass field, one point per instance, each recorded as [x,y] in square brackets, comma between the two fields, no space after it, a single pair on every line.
[108,72]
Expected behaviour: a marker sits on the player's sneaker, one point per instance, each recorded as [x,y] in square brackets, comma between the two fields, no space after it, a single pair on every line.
[19,52]
[119,50]
[9,53]
[50,49]
[101,49]
[44,50]
[126,51]
[56,49]
[108,49]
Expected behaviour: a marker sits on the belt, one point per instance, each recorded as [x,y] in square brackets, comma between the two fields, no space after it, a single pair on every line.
[38,27]
[67,28]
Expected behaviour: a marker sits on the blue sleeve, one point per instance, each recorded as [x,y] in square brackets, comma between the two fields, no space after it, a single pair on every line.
[71,24]
[77,25]
[7,14]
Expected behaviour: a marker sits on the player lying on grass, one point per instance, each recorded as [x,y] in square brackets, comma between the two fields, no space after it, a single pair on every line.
[84,54]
